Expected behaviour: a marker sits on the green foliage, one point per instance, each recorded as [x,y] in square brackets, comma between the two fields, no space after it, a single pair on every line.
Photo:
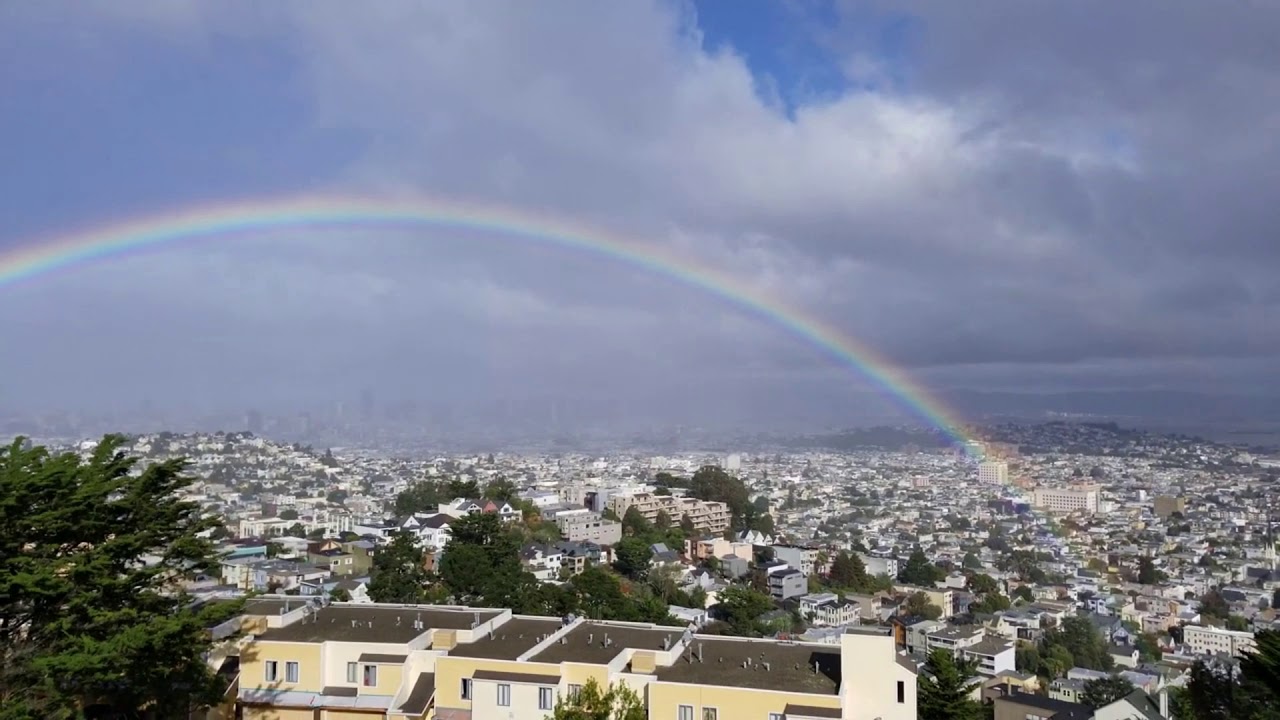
[1076,643]
[1148,647]
[1147,572]
[712,482]
[83,619]
[741,608]
[619,702]
[1104,691]
[918,605]
[971,561]
[501,490]
[1214,605]
[944,689]
[1023,592]
[398,573]
[289,514]
[990,603]
[919,571]
[848,571]
[633,555]
[482,563]
[423,496]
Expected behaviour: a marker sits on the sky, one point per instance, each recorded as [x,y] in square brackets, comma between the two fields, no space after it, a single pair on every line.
[1009,195]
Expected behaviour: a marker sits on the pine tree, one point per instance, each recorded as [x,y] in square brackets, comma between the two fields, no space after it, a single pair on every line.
[944,689]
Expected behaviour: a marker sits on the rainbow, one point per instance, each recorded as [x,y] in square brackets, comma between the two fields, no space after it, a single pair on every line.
[32,260]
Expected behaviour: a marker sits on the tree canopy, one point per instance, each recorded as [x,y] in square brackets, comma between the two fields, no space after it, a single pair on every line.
[1104,691]
[944,689]
[91,551]
[592,702]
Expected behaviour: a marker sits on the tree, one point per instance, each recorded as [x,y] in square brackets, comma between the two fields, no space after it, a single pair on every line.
[919,571]
[501,490]
[663,521]
[89,612]
[619,702]
[918,605]
[1214,605]
[289,514]
[944,689]
[421,497]
[971,561]
[1023,592]
[1084,646]
[635,523]
[398,572]
[482,564]
[740,607]
[1104,691]
[1148,647]
[983,584]
[712,482]
[990,603]
[686,525]
[848,571]
[337,497]
[340,595]
[1275,599]
[1147,572]
[633,555]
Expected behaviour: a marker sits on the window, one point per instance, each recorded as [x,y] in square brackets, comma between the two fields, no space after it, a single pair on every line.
[291,672]
[544,698]
[708,713]
[353,674]
[775,716]
[466,688]
[574,691]
[685,712]
[504,695]
[370,675]
[272,670]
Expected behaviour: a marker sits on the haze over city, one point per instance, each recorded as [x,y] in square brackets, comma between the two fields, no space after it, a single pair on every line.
[997,198]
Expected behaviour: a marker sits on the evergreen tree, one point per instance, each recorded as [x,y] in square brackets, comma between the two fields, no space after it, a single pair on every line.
[919,571]
[944,689]
[398,572]
[89,616]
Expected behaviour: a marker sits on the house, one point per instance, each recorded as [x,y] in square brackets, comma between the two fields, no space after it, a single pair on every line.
[787,583]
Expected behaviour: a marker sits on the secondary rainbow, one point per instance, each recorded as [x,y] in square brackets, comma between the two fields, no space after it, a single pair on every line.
[32,260]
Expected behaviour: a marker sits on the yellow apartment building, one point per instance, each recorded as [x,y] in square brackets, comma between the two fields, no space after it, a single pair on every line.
[349,661]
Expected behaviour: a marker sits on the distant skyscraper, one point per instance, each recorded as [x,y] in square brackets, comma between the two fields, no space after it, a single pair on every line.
[993,472]
[733,463]
[367,404]
[253,422]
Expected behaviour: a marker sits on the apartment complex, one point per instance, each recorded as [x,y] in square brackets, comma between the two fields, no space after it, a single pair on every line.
[993,472]
[402,662]
[707,516]
[1068,500]
[1208,640]
[587,526]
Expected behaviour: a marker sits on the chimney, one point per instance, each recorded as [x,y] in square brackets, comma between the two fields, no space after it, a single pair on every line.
[766,667]
[666,643]
[591,638]
[699,652]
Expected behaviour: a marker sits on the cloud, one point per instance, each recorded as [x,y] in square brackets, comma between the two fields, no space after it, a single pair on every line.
[1013,185]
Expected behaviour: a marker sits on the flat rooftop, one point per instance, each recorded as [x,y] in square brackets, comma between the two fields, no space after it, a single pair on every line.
[790,666]
[586,643]
[356,623]
[509,640]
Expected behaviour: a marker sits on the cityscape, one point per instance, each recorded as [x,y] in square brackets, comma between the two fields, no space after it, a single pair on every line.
[639,360]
